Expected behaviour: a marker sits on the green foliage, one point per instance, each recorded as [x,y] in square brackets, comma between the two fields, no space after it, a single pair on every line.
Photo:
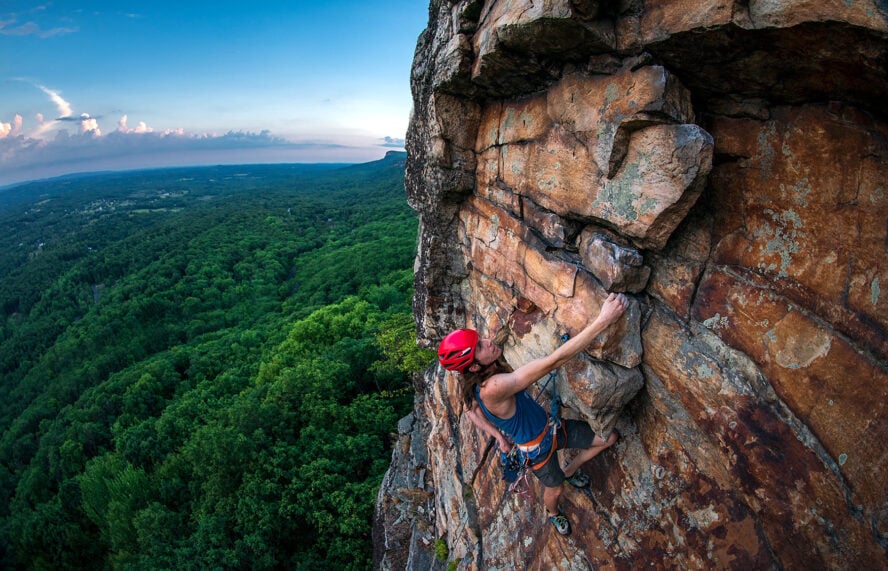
[441,550]
[397,338]
[200,369]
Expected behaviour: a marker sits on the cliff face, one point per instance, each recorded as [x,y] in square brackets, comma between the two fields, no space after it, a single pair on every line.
[724,163]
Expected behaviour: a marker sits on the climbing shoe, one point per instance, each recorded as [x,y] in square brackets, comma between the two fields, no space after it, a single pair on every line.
[578,480]
[561,523]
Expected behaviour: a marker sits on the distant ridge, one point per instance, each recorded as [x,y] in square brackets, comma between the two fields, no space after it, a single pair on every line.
[20,193]
[392,159]
[389,158]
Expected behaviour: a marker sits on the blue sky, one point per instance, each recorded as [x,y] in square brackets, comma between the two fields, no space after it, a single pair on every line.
[107,85]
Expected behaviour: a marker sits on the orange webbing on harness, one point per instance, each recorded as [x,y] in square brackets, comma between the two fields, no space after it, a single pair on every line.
[552,449]
[528,446]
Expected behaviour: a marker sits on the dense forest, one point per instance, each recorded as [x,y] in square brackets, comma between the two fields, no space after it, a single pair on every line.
[203,367]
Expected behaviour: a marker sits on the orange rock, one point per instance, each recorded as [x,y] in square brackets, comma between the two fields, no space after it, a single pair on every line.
[836,391]
[757,439]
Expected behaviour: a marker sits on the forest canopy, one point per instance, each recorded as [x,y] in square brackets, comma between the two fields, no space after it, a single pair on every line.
[202,368]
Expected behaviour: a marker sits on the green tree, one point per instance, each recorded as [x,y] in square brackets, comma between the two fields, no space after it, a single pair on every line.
[199,378]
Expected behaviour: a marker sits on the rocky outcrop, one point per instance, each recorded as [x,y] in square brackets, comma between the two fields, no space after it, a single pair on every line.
[723,163]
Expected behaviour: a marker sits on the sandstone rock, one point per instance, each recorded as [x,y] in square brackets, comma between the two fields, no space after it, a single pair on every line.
[553,275]
[809,230]
[818,375]
[396,528]
[661,19]
[677,270]
[621,342]
[440,167]
[603,111]
[510,31]
[759,342]
[555,230]
[523,120]
[752,62]
[602,155]
[661,178]
[501,248]
[618,268]
[770,457]
[772,13]
[558,172]
[599,391]
[659,181]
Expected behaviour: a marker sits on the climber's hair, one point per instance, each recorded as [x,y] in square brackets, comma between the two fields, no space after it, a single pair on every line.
[468,380]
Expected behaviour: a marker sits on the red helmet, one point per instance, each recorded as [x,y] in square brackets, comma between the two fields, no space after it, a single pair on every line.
[457,350]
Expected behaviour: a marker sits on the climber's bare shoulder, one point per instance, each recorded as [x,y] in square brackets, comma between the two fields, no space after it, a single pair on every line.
[497,396]
[502,387]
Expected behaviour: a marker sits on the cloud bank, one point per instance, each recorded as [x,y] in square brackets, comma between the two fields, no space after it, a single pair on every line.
[48,149]
[24,158]
[392,143]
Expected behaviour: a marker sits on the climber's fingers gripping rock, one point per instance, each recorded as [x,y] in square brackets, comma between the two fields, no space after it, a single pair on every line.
[614,306]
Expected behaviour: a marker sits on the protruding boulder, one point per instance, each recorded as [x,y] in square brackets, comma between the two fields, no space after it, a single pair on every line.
[617,267]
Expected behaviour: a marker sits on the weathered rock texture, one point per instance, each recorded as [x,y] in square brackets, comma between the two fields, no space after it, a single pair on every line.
[724,162]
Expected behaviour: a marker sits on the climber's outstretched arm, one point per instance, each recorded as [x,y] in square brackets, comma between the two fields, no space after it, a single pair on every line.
[502,386]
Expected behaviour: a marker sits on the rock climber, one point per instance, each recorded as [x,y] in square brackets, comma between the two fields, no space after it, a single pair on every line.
[496,400]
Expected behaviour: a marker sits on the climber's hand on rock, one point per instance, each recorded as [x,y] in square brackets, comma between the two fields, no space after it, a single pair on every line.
[613,308]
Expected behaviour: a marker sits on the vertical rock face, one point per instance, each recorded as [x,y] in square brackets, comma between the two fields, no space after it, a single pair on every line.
[724,163]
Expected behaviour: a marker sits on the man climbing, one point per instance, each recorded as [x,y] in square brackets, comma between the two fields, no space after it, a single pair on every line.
[496,401]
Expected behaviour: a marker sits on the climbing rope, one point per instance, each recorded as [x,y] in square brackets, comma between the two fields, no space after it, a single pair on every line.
[555,405]
[521,486]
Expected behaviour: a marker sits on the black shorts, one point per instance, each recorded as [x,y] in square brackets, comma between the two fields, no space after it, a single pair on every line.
[571,434]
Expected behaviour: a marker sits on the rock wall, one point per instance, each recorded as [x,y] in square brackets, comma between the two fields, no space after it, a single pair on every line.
[724,163]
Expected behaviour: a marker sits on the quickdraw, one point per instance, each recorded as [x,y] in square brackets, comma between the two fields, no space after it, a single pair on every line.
[521,486]
[512,464]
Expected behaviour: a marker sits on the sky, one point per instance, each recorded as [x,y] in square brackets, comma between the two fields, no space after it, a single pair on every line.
[116,85]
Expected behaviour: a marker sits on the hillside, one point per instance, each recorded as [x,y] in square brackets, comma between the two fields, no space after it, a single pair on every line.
[198,365]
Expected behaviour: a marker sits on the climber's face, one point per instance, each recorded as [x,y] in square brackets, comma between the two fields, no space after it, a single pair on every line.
[486,352]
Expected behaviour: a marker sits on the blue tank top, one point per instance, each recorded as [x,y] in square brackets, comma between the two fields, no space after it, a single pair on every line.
[526,424]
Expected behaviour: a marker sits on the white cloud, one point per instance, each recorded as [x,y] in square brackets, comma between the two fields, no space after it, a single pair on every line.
[89,125]
[32,29]
[393,143]
[140,128]
[11,129]
[42,126]
[11,26]
[63,106]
